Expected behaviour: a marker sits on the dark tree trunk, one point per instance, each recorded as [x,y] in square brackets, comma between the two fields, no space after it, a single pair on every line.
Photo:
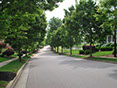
[115,43]
[52,48]
[26,52]
[91,44]
[70,50]
[20,52]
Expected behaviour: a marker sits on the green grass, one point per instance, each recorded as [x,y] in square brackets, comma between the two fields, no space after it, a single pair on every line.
[103,53]
[73,51]
[3,84]
[14,55]
[13,66]
[3,59]
[103,59]
[79,56]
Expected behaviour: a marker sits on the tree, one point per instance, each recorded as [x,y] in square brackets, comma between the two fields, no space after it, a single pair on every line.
[109,8]
[54,24]
[68,26]
[87,23]
[18,28]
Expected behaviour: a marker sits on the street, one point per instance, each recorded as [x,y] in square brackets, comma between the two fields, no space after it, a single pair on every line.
[49,70]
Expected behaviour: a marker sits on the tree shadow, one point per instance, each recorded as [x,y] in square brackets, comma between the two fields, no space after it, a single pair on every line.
[113,74]
[81,63]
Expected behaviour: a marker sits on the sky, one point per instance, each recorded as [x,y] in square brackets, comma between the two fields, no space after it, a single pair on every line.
[59,12]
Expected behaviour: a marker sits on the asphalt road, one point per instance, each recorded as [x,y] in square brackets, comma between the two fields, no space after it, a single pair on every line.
[49,70]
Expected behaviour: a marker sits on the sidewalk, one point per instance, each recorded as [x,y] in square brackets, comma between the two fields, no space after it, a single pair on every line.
[6,62]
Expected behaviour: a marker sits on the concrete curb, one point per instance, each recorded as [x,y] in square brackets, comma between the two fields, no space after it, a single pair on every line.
[14,81]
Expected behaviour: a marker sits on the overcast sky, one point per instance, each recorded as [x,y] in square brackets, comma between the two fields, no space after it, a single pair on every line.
[59,12]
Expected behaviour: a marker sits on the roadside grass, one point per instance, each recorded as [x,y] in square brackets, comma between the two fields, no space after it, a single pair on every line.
[73,51]
[13,66]
[103,53]
[79,56]
[3,59]
[14,55]
[3,84]
[103,59]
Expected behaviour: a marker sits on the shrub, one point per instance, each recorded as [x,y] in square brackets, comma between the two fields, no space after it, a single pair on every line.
[81,52]
[112,45]
[106,48]
[97,49]
[8,52]
[109,44]
[87,52]
[24,52]
[87,47]
[114,51]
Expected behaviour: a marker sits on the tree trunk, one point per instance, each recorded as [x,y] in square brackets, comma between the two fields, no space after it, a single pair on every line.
[115,43]
[26,52]
[91,44]
[20,53]
[70,50]
[62,50]
[52,48]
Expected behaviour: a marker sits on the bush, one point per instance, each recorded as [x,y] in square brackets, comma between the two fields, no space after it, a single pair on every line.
[24,52]
[87,52]
[97,49]
[87,47]
[106,48]
[109,44]
[112,45]
[114,51]
[81,52]
[8,52]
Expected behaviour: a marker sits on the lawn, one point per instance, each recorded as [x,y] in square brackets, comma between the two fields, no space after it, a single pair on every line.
[3,59]
[3,84]
[79,56]
[103,53]
[100,53]
[103,59]
[73,51]
[13,66]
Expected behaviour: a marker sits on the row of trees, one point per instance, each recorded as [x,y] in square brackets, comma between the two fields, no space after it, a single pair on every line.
[86,21]
[23,25]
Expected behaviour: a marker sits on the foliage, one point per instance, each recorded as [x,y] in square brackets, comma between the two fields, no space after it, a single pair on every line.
[97,49]
[106,48]
[8,52]
[87,52]
[81,51]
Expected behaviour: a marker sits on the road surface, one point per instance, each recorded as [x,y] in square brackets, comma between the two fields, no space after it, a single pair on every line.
[49,70]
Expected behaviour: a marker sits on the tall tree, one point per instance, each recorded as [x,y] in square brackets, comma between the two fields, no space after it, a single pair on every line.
[109,8]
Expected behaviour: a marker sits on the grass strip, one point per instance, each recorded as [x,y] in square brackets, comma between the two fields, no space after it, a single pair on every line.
[3,59]
[3,84]
[13,66]
[79,56]
[102,53]
[103,59]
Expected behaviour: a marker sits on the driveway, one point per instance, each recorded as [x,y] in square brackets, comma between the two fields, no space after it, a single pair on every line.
[49,70]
